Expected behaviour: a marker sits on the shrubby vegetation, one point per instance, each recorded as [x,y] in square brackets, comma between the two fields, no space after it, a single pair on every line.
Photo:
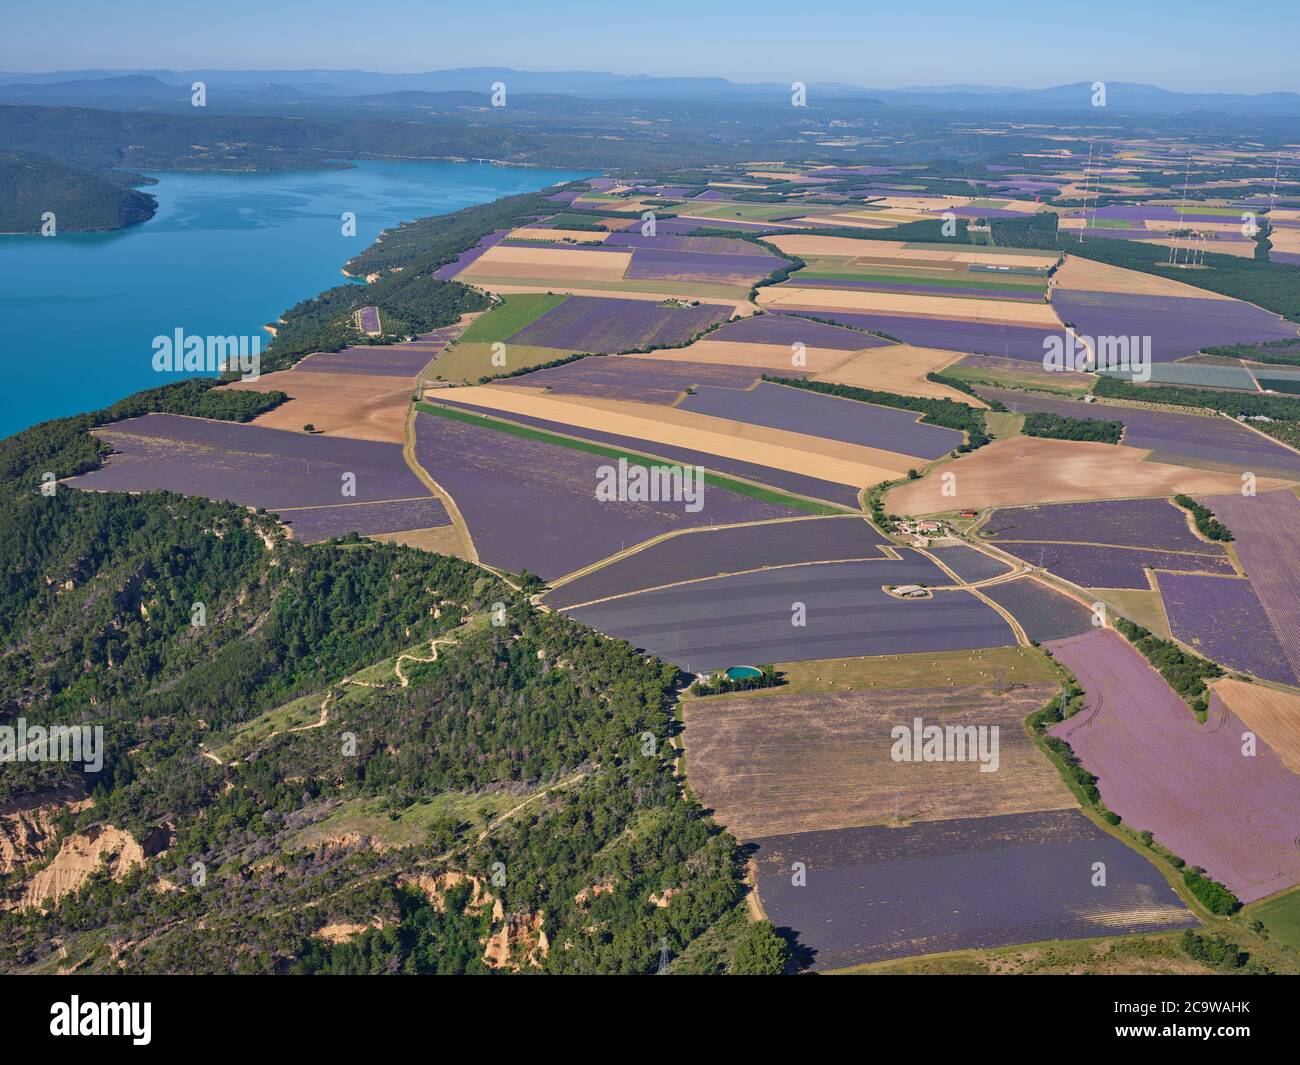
[1206,523]
[1185,672]
[1059,427]
[1210,893]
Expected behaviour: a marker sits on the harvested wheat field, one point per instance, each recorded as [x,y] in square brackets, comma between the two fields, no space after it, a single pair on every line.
[778,764]
[441,540]
[900,368]
[949,307]
[616,291]
[830,460]
[512,260]
[760,356]
[1025,471]
[1273,715]
[1087,275]
[358,406]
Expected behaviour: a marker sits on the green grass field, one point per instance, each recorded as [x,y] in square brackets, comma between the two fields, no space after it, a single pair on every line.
[768,495]
[515,312]
[1281,916]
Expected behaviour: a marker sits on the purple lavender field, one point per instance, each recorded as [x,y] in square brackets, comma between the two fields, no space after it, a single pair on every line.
[1044,614]
[721,551]
[846,420]
[1223,619]
[643,380]
[247,464]
[1091,566]
[383,360]
[532,505]
[979,338]
[1187,783]
[785,329]
[812,487]
[599,325]
[1177,326]
[470,255]
[313,524]
[652,264]
[1120,522]
[885,892]
[747,618]
[704,245]
[968,563]
[1186,439]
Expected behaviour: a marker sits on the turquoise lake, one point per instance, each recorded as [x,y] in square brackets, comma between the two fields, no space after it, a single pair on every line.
[225,255]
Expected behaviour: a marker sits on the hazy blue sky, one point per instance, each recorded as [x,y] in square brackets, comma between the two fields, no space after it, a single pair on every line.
[1191,45]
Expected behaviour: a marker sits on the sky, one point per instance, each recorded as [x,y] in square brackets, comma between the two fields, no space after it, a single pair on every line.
[1191,46]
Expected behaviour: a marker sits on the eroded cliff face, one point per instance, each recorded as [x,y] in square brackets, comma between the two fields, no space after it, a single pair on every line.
[27,830]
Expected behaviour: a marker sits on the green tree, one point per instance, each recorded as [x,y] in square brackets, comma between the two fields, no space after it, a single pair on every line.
[759,952]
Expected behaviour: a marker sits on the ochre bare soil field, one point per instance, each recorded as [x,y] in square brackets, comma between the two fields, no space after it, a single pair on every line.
[830,460]
[352,405]
[1271,714]
[900,368]
[1025,471]
[804,763]
[1087,275]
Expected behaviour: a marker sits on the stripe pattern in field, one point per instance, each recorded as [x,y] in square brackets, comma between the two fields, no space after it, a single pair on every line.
[714,552]
[1156,523]
[813,487]
[1185,439]
[969,564]
[384,360]
[1187,783]
[753,617]
[1093,566]
[846,420]
[271,468]
[876,893]
[1222,619]
[785,329]
[775,763]
[532,505]
[644,380]
[1044,614]
[1267,531]
[605,325]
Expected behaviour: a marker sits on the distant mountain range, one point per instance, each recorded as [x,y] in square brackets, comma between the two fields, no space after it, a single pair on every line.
[164,89]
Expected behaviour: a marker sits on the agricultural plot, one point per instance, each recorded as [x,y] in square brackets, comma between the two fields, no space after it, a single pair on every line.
[1177,326]
[753,617]
[1267,531]
[532,505]
[602,326]
[1189,784]
[1271,714]
[848,464]
[711,553]
[471,255]
[998,372]
[539,263]
[1197,374]
[1044,614]
[832,303]
[1028,471]
[311,524]
[1087,275]
[1097,566]
[514,312]
[1185,439]
[785,329]
[1223,619]
[381,360]
[644,379]
[778,764]
[846,420]
[247,464]
[969,564]
[654,264]
[876,893]
[842,495]
[901,369]
[968,336]
[350,405]
[1155,523]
